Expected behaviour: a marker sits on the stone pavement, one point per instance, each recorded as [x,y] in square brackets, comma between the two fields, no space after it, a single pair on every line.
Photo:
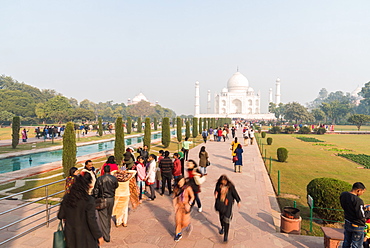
[253,225]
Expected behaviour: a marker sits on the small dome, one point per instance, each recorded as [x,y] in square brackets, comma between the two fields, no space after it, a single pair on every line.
[196,83]
[224,90]
[278,80]
[139,98]
[237,83]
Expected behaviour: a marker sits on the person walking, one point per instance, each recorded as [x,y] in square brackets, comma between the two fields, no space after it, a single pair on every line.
[205,135]
[182,201]
[225,195]
[239,161]
[219,134]
[354,216]
[77,209]
[233,131]
[203,160]
[234,145]
[251,135]
[106,186]
[24,135]
[166,166]
[186,147]
[194,172]
[245,135]
[150,175]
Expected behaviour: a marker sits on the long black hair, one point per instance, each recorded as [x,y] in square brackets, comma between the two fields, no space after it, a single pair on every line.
[78,190]
[111,160]
[224,177]
[72,171]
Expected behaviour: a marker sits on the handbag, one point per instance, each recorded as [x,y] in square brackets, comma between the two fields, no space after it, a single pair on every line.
[199,180]
[235,159]
[101,202]
[59,240]
[208,163]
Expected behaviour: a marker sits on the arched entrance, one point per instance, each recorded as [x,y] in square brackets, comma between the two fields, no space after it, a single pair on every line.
[236,106]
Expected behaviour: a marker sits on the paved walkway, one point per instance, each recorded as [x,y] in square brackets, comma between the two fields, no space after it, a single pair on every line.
[253,225]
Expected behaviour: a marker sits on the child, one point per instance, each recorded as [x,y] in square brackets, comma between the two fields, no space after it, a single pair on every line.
[141,174]
[366,243]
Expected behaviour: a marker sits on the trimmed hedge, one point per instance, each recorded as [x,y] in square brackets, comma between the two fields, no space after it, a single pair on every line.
[275,130]
[263,135]
[305,130]
[320,130]
[269,141]
[289,129]
[282,154]
[325,193]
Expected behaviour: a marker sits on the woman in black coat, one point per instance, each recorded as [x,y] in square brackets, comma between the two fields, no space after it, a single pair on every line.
[78,210]
[225,194]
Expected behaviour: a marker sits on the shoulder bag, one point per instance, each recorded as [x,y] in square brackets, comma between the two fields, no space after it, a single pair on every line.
[199,180]
[101,202]
[59,240]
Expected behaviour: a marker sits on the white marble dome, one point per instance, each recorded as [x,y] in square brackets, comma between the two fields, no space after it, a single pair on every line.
[139,98]
[237,83]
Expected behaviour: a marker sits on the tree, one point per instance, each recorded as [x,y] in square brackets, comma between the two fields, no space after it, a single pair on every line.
[82,114]
[179,129]
[166,132]
[6,116]
[141,109]
[69,148]
[16,126]
[100,127]
[359,120]
[155,122]
[129,125]
[147,133]
[119,145]
[336,109]
[318,114]
[187,130]
[139,125]
[296,112]
[200,129]
[17,102]
[195,127]
[57,109]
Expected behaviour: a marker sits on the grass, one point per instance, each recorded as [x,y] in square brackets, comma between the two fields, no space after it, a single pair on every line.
[306,162]
[362,159]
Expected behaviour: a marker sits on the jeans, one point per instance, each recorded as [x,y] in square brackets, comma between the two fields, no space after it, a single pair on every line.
[196,195]
[141,186]
[353,236]
[203,170]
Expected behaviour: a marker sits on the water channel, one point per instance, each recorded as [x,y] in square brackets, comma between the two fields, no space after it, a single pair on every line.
[40,158]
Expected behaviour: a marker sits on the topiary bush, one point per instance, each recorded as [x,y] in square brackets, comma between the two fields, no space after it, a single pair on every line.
[269,141]
[263,135]
[325,193]
[282,154]
[320,130]
[304,130]
[289,129]
[275,130]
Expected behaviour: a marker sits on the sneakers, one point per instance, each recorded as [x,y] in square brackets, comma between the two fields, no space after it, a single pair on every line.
[200,210]
[178,237]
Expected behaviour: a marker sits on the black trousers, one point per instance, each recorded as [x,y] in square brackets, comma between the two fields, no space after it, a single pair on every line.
[105,216]
[166,177]
[152,191]
[225,224]
[186,154]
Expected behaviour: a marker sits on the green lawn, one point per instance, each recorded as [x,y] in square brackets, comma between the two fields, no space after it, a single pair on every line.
[307,161]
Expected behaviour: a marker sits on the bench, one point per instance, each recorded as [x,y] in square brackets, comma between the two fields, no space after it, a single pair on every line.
[332,236]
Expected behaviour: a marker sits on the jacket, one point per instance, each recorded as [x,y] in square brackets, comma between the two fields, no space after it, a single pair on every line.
[106,184]
[81,228]
[152,168]
[203,158]
[176,167]
[166,165]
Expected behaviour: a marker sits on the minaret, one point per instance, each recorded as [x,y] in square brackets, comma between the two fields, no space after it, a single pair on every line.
[277,99]
[197,104]
[270,95]
[208,102]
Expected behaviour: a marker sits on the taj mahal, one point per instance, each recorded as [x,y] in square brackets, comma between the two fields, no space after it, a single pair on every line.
[237,100]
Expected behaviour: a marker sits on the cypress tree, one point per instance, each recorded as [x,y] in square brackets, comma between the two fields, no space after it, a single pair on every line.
[173,122]
[209,123]
[16,126]
[195,127]
[129,125]
[147,133]
[200,129]
[166,132]
[155,123]
[213,123]
[119,145]
[205,124]
[179,129]
[100,126]
[187,130]
[139,125]
[69,148]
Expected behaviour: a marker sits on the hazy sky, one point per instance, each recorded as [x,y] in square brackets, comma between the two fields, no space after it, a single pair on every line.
[112,50]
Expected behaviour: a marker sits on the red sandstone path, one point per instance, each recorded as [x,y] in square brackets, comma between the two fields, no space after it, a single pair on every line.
[253,225]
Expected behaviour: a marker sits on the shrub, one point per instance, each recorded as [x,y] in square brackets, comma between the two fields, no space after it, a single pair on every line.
[100,126]
[119,144]
[282,154]
[147,133]
[195,127]
[320,130]
[325,193]
[69,148]
[289,129]
[166,133]
[16,126]
[179,129]
[187,129]
[129,125]
[263,135]
[155,122]
[304,130]
[269,141]
[275,130]
[139,125]
[200,126]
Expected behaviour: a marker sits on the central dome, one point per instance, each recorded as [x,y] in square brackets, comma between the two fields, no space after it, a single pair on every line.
[238,83]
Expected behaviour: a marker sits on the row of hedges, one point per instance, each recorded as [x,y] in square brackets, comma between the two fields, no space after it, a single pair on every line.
[291,129]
